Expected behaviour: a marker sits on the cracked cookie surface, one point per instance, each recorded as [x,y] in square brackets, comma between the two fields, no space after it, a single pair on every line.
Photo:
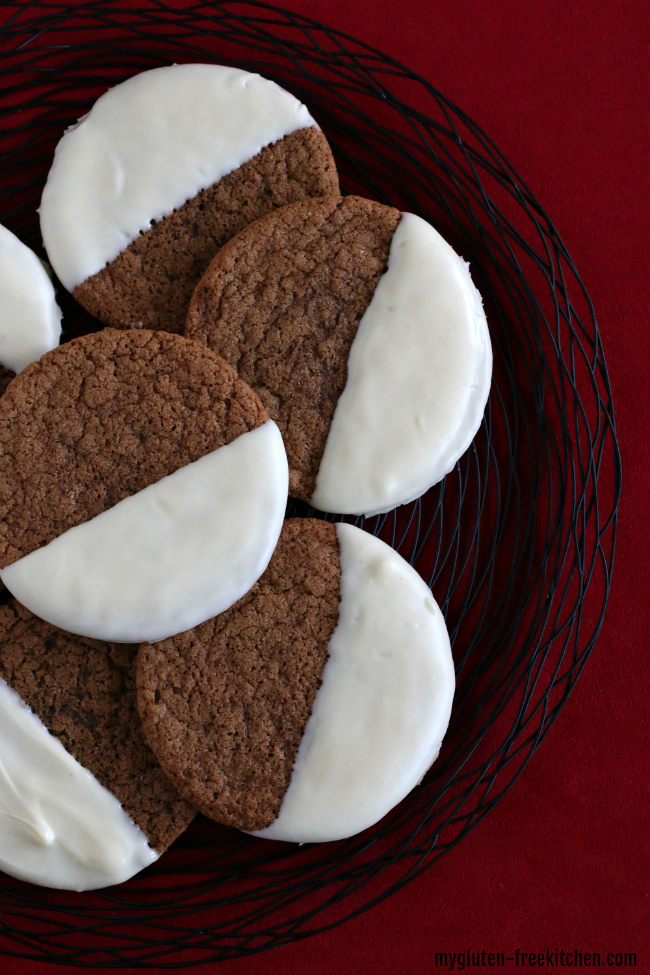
[282,303]
[84,693]
[101,418]
[151,282]
[224,705]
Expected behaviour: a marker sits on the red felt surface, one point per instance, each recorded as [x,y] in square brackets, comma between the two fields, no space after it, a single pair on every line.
[563,862]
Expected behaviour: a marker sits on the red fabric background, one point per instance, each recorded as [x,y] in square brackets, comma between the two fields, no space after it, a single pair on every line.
[563,861]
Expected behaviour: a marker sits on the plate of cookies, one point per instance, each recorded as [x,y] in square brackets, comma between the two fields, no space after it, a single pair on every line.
[303,402]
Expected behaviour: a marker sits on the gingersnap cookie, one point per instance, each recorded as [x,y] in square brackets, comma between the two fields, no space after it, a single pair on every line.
[83,801]
[142,486]
[30,319]
[365,338]
[315,704]
[165,168]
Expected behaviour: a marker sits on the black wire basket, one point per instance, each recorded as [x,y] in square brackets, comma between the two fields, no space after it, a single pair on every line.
[517,542]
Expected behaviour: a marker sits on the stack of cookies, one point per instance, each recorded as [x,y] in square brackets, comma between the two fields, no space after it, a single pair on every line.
[172,643]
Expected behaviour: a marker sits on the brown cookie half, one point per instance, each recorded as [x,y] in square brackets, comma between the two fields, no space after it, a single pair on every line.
[224,705]
[101,418]
[151,282]
[282,302]
[84,693]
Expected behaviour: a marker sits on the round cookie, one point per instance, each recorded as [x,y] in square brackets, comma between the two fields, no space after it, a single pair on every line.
[365,338]
[313,706]
[165,168]
[30,319]
[142,486]
[83,801]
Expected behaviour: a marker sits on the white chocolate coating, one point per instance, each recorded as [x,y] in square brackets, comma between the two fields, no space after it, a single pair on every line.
[30,319]
[170,557]
[419,374]
[145,148]
[58,826]
[384,705]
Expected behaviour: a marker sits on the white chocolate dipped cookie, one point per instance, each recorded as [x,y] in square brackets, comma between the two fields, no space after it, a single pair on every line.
[83,801]
[363,334]
[164,169]
[143,486]
[312,707]
[30,319]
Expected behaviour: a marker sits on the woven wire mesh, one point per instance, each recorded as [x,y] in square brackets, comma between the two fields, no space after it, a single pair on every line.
[517,542]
